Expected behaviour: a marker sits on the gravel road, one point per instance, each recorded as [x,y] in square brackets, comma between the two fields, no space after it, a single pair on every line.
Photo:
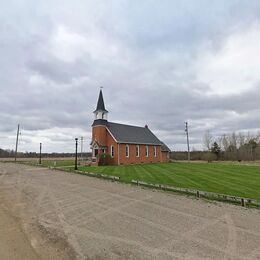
[47,214]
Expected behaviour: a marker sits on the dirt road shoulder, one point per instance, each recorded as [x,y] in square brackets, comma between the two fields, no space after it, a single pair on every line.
[13,241]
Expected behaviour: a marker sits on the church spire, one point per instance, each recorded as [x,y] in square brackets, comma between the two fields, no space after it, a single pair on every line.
[100,112]
[100,103]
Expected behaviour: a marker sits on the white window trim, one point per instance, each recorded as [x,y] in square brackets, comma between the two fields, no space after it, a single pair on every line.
[138,151]
[155,151]
[146,151]
[112,151]
[127,151]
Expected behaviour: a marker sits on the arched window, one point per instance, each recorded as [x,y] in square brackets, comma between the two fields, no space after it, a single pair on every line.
[146,151]
[112,151]
[127,150]
[154,151]
[137,151]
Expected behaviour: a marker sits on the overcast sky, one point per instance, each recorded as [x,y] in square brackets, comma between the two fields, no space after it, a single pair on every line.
[161,63]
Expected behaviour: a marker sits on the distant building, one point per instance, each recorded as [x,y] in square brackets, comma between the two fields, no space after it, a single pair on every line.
[125,144]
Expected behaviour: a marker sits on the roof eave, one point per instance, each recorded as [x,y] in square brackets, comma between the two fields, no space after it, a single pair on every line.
[125,142]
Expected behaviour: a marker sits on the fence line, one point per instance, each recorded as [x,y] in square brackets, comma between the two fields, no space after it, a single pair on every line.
[199,193]
[91,174]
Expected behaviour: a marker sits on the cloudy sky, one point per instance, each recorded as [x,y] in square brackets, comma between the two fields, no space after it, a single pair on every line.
[161,63]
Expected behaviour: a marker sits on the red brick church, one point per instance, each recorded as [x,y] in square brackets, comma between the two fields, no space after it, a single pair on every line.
[125,144]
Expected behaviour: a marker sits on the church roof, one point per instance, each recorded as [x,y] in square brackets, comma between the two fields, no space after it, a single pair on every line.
[132,134]
[165,148]
[100,103]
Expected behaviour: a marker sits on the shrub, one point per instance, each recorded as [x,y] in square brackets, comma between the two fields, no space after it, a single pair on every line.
[104,159]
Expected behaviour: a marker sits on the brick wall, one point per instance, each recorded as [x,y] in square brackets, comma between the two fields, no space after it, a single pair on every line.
[99,133]
[103,137]
[165,156]
[133,159]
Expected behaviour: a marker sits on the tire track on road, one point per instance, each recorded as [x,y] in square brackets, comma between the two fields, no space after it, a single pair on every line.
[67,228]
[231,247]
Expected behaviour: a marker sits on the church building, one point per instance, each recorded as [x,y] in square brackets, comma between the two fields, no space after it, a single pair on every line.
[124,144]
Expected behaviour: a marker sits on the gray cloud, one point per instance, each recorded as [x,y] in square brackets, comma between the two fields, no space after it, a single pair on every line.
[148,56]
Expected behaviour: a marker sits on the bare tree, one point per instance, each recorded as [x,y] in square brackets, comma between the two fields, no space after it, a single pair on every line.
[207,140]
[234,146]
[225,142]
[241,139]
[258,137]
[233,140]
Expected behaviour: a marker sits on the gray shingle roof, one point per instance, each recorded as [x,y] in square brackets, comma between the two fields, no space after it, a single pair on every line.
[132,134]
[165,148]
[100,122]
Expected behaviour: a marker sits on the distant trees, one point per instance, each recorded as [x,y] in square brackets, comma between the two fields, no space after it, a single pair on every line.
[228,147]
[215,149]
[6,153]
[233,146]
[10,153]
[207,140]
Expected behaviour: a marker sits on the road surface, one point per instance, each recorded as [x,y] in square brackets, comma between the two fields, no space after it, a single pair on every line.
[53,214]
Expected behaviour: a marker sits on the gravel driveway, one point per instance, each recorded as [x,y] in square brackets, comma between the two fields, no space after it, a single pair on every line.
[67,216]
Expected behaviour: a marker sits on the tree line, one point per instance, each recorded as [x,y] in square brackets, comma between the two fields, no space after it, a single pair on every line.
[234,146]
[11,154]
[6,153]
[227,147]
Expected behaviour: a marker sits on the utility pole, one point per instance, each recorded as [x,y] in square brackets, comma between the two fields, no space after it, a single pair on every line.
[81,148]
[76,154]
[40,159]
[17,139]
[188,143]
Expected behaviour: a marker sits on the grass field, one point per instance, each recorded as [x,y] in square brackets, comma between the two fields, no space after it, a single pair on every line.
[58,163]
[239,180]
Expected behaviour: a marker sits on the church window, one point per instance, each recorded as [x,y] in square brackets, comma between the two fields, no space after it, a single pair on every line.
[154,151]
[127,150]
[146,151]
[137,151]
[112,151]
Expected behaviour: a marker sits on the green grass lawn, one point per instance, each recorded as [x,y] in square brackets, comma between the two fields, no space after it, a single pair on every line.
[239,180]
[226,178]
[58,163]
[52,163]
